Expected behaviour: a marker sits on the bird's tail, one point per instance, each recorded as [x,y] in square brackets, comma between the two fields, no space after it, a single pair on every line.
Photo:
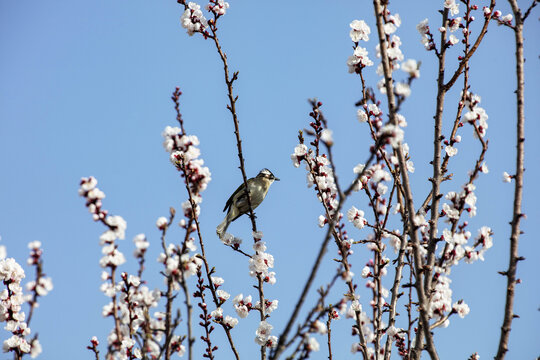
[222,228]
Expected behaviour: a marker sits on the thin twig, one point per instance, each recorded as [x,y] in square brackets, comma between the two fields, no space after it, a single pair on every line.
[329,333]
[232,108]
[518,190]
[436,162]
[169,296]
[33,302]
[526,15]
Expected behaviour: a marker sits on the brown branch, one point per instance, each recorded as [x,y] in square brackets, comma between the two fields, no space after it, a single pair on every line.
[528,11]
[189,309]
[183,283]
[94,348]
[436,162]
[396,286]
[115,310]
[329,332]
[232,108]
[169,296]
[518,191]
[33,302]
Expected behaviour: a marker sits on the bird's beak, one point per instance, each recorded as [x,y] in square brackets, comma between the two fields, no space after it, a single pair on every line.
[276,179]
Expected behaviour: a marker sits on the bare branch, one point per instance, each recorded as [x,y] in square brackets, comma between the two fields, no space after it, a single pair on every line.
[518,190]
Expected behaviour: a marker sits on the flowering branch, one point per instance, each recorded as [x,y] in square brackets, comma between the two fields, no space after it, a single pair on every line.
[422,299]
[184,155]
[41,285]
[324,185]
[343,195]
[12,298]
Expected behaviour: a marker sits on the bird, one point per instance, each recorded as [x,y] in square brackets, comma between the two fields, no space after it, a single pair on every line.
[238,205]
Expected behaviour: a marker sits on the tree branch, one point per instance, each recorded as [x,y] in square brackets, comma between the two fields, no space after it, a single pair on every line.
[518,190]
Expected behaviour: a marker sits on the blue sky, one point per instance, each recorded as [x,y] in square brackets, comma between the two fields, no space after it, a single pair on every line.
[85,90]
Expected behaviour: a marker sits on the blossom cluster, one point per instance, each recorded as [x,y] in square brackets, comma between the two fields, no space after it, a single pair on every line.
[395,58]
[261,262]
[184,154]
[193,19]
[476,115]
[359,59]
[427,36]
[42,285]
[12,299]
[131,301]
[355,312]
[440,305]
[263,335]
[217,7]
[384,133]
[179,263]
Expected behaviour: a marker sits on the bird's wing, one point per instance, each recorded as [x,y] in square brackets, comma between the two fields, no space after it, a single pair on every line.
[229,202]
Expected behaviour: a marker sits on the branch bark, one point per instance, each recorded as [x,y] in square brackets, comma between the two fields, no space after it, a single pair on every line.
[518,190]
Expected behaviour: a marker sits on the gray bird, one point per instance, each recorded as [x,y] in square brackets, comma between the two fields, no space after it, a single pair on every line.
[237,204]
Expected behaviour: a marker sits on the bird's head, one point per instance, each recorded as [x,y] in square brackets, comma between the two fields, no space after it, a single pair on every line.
[267,175]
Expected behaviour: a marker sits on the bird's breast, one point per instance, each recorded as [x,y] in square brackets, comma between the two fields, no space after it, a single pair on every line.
[257,192]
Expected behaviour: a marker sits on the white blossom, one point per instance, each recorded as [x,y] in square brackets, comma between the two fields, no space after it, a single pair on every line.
[411,67]
[359,30]
[358,58]
[402,89]
[219,8]
[326,136]
[263,333]
[361,115]
[322,220]
[452,6]
[393,133]
[230,321]
[162,222]
[461,309]
[450,150]
[299,151]
[313,344]
[356,216]
[193,19]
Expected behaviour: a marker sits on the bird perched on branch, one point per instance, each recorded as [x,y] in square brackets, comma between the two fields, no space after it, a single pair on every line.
[238,205]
